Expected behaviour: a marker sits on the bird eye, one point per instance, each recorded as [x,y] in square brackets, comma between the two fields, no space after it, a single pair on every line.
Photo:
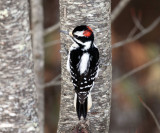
[75,36]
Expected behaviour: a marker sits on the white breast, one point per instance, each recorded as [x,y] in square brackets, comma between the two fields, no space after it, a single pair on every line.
[84,63]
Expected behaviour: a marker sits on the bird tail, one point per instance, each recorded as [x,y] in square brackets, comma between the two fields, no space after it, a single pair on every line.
[81,108]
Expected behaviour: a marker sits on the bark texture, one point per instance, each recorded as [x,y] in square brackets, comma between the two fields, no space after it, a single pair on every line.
[96,14]
[18,99]
[38,54]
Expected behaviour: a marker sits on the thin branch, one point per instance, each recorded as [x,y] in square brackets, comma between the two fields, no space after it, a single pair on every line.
[132,32]
[137,23]
[151,113]
[122,4]
[51,29]
[137,19]
[53,82]
[52,43]
[57,83]
[139,35]
[137,70]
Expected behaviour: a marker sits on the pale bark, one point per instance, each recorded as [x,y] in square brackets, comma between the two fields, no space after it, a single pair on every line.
[96,14]
[38,54]
[18,99]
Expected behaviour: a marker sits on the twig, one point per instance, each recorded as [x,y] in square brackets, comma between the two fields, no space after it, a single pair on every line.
[151,113]
[137,70]
[137,19]
[52,43]
[53,82]
[122,4]
[51,29]
[137,23]
[133,31]
[57,83]
[139,35]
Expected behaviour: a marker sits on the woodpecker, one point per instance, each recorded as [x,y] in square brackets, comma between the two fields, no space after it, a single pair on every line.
[83,65]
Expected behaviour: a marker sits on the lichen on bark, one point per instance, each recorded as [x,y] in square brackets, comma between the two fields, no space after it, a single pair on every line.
[18,99]
[96,14]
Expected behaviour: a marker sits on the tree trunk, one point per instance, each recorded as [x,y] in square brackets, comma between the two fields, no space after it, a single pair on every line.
[38,54]
[18,99]
[96,14]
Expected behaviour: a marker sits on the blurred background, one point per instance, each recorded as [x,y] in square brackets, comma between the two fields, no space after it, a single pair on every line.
[136,67]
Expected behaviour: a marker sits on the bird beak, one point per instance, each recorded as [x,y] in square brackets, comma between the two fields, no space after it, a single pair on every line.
[70,34]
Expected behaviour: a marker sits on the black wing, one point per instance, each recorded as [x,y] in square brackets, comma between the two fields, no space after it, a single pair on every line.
[84,82]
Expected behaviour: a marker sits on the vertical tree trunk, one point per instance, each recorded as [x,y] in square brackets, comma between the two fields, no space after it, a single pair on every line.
[38,54]
[96,14]
[18,99]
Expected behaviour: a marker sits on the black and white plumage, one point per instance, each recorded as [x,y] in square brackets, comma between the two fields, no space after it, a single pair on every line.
[83,65]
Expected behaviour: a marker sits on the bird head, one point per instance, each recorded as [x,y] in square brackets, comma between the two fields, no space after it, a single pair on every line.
[82,34]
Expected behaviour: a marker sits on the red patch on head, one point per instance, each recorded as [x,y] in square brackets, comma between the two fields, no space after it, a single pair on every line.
[89,28]
[87,33]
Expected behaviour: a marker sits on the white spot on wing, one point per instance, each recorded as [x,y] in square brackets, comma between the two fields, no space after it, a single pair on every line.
[75,85]
[84,63]
[92,87]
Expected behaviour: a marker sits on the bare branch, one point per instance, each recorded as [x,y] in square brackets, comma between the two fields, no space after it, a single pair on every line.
[51,29]
[137,70]
[132,32]
[122,4]
[53,82]
[139,35]
[137,23]
[52,43]
[151,113]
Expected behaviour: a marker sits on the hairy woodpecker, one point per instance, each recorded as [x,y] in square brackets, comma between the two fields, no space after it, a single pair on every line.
[83,65]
